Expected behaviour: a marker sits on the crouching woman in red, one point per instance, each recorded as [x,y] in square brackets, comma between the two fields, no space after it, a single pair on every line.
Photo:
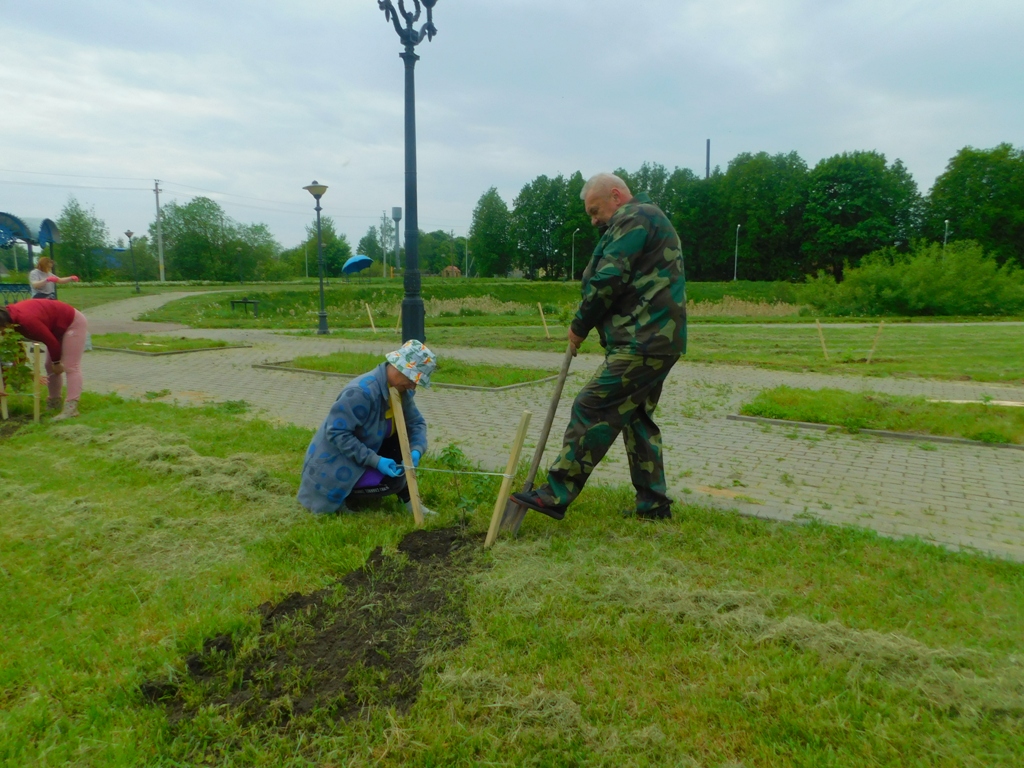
[62,328]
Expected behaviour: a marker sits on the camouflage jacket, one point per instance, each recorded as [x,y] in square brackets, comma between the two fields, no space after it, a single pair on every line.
[634,289]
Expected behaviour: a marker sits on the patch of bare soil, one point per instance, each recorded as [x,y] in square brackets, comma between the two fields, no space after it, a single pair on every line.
[330,654]
[12,425]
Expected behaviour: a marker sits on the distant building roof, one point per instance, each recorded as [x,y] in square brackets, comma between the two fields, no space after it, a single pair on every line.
[33,231]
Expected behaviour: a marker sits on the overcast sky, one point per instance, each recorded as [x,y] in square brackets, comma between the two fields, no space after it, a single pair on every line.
[247,101]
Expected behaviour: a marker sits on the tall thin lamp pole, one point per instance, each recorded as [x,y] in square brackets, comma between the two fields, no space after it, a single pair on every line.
[736,257]
[396,214]
[317,191]
[413,325]
[573,276]
[945,235]
[131,248]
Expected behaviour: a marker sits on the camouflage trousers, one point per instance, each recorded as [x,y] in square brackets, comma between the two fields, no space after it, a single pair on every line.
[621,397]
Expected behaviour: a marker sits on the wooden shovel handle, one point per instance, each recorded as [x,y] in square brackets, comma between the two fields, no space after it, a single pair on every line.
[549,419]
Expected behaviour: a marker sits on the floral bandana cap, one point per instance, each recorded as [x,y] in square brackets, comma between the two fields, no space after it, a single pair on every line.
[415,361]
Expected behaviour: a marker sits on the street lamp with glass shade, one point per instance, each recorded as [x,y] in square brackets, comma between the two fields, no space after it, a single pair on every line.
[574,253]
[131,247]
[405,18]
[945,234]
[317,190]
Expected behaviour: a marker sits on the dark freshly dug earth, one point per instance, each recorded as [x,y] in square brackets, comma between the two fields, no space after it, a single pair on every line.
[9,427]
[331,653]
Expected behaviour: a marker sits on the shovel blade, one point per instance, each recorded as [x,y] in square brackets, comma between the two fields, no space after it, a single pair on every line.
[514,513]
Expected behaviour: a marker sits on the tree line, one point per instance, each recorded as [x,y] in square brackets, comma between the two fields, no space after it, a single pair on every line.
[201,242]
[774,215]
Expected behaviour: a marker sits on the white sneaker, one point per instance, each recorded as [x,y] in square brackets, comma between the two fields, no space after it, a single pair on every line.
[427,511]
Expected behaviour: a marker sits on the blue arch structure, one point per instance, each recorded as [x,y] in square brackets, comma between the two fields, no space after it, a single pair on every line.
[32,231]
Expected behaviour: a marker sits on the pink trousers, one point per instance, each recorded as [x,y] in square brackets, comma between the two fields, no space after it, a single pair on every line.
[72,347]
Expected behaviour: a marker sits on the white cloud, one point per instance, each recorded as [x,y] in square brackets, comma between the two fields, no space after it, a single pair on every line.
[257,98]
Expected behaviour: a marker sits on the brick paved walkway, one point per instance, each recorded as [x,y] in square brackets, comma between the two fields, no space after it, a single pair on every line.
[955,495]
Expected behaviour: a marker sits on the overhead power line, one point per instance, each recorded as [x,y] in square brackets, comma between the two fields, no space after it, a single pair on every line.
[72,186]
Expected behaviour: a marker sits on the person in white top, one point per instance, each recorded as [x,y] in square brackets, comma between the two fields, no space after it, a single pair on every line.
[43,282]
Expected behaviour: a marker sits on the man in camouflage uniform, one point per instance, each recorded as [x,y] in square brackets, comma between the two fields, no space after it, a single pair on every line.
[634,293]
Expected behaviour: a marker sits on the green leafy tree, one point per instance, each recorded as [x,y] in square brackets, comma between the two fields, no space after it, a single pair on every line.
[766,195]
[84,241]
[539,218]
[436,251]
[336,251]
[369,244]
[386,238]
[981,194]
[195,237]
[856,204]
[201,242]
[490,235]
[698,210]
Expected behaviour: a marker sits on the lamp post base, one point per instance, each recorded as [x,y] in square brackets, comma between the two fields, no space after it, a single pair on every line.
[322,329]
[413,319]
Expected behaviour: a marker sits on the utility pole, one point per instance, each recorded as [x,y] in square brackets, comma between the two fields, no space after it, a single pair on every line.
[159,230]
[707,162]
[396,214]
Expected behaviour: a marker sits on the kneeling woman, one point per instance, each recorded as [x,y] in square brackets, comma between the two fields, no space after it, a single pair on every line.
[355,453]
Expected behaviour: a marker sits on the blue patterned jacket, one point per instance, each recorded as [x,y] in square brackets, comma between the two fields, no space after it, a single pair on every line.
[346,444]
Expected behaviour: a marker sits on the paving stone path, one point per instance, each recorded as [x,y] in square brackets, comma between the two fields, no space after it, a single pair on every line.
[955,495]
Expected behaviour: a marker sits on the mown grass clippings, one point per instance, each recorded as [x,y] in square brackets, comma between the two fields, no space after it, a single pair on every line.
[705,640]
[449,370]
[855,411]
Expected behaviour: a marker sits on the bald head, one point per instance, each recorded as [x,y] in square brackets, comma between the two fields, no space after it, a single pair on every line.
[604,183]
[602,196]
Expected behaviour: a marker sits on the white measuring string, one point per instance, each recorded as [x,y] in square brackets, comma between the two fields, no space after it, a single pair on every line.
[457,471]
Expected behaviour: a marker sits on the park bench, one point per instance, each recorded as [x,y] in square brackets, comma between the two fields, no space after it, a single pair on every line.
[245,304]
[13,292]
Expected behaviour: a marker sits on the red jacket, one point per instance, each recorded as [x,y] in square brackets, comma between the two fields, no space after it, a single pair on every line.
[44,321]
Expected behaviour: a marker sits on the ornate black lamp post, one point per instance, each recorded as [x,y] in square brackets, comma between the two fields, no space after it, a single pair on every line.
[131,247]
[412,304]
[317,191]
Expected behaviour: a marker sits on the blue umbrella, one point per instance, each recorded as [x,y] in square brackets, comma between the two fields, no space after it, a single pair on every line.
[356,264]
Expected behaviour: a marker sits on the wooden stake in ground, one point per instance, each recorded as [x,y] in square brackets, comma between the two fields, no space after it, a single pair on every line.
[821,335]
[506,482]
[3,397]
[410,471]
[514,513]
[546,331]
[369,314]
[874,346]
[36,383]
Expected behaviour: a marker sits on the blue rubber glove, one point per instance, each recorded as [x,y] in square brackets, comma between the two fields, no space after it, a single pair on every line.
[389,467]
[416,458]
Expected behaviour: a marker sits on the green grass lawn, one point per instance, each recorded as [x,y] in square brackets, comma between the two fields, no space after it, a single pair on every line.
[137,342]
[871,410]
[133,534]
[451,302]
[981,351]
[85,296]
[449,371]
